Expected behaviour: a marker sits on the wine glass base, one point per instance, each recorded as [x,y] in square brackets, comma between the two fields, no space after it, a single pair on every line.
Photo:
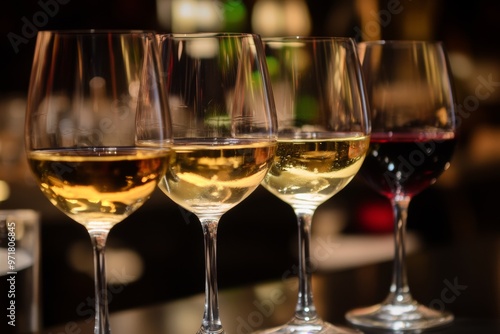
[398,317]
[205,331]
[318,327]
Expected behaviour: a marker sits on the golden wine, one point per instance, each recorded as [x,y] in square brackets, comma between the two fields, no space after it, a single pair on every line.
[305,173]
[208,180]
[98,187]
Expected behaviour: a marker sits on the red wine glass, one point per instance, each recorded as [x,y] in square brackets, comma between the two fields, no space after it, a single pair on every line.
[413,137]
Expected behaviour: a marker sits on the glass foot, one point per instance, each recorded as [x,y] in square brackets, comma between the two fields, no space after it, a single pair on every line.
[398,317]
[316,327]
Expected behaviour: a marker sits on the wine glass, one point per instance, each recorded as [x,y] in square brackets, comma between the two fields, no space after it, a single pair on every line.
[98,131]
[224,124]
[413,118]
[323,137]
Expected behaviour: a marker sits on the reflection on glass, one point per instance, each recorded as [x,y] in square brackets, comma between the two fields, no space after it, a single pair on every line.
[413,138]
[323,137]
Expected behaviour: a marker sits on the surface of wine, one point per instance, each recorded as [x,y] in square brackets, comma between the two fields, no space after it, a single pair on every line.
[210,179]
[406,164]
[98,187]
[305,173]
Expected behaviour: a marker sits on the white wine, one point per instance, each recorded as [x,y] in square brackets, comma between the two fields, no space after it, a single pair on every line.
[307,172]
[98,187]
[211,179]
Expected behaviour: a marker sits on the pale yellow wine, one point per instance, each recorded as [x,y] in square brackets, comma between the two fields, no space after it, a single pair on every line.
[307,172]
[210,179]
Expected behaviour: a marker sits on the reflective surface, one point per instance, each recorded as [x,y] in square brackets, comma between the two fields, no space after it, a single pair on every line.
[455,279]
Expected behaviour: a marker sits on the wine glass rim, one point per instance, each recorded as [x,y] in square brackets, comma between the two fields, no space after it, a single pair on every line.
[401,42]
[91,32]
[196,35]
[306,38]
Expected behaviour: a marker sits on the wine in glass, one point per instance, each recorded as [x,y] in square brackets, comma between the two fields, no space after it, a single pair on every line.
[323,137]
[98,131]
[224,125]
[413,118]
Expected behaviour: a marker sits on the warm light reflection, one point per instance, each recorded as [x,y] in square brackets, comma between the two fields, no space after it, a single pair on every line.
[286,18]
[277,296]
[329,221]
[370,26]
[123,265]
[331,252]
[297,18]
[266,18]
[133,89]
[164,12]
[461,65]
[483,148]
[125,51]
[184,16]
[4,191]
[202,48]
[209,15]
[187,16]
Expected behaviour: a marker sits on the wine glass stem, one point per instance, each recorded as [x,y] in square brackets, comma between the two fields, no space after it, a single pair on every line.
[399,291]
[101,292]
[305,309]
[211,322]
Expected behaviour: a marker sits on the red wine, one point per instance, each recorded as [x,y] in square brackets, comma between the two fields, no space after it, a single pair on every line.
[405,164]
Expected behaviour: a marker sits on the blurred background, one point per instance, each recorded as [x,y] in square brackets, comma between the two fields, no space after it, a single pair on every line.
[156,254]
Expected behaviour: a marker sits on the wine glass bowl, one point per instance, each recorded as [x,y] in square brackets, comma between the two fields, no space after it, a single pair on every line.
[323,136]
[224,132]
[98,131]
[411,98]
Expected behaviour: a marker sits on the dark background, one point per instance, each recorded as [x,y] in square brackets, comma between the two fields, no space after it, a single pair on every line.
[257,238]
